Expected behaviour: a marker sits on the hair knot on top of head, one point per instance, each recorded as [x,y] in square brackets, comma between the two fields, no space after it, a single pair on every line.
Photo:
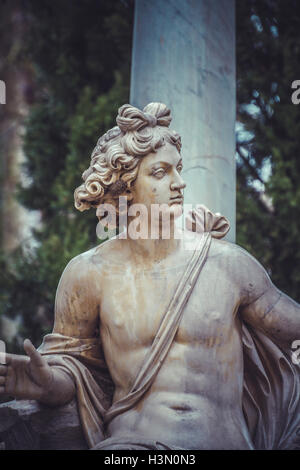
[115,160]
[152,121]
[132,119]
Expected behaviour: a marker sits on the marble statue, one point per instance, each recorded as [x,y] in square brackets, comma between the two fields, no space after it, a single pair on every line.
[164,346]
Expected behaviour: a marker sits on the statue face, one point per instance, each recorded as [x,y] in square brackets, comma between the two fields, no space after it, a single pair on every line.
[159,180]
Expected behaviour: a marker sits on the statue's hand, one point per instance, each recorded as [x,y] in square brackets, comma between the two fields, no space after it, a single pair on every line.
[28,377]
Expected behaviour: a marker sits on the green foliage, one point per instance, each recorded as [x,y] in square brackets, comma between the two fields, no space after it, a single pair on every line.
[268,61]
[81,58]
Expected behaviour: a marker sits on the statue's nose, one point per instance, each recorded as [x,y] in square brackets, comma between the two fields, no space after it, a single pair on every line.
[178,184]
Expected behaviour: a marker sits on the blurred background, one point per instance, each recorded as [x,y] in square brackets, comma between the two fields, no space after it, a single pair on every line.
[67,63]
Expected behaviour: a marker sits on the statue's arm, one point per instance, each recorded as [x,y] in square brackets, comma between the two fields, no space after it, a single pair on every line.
[76,315]
[267,308]
[77,300]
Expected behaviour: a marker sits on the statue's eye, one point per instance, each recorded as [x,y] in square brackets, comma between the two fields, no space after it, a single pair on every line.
[159,173]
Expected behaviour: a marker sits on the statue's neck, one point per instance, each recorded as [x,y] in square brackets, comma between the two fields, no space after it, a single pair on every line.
[157,246]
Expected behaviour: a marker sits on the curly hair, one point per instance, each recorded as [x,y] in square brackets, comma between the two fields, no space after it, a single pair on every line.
[115,160]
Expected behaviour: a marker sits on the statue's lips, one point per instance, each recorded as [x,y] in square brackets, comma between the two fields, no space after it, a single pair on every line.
[176,200]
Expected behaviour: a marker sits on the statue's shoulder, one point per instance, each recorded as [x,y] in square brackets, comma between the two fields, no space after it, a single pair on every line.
[77,297]
[234,255]
[97,256]
[240,266]
[81,268]
[92,267]
[220,250]
[229,250]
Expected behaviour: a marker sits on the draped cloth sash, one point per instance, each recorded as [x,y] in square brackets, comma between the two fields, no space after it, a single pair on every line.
[166,332]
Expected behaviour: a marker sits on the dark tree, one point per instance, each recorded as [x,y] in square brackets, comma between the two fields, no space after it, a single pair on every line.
[268,209]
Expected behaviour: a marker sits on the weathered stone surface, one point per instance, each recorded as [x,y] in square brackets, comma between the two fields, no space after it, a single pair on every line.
[26,424]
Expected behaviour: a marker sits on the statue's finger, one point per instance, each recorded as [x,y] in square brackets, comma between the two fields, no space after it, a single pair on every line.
[34,355]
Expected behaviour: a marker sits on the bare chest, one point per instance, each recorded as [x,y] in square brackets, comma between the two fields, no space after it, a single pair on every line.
[133,306]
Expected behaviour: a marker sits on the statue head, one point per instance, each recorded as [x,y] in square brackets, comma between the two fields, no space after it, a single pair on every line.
[117,157]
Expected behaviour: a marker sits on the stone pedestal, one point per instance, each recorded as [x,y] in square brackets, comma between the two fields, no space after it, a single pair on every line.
[28,425]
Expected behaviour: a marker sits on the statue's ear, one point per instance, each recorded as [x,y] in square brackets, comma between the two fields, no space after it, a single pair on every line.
[129,193]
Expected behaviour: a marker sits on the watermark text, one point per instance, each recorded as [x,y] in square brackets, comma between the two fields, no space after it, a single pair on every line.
[2,92]
[141,222]
[296,95]
[2,352]
[296,353]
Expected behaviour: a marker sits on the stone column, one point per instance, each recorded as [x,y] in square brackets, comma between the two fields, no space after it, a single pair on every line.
[184,56]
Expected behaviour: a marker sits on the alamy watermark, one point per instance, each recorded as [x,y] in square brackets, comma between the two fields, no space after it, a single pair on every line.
[140,222]
[2,92]
[296,95]
[296,353]
[2,352]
